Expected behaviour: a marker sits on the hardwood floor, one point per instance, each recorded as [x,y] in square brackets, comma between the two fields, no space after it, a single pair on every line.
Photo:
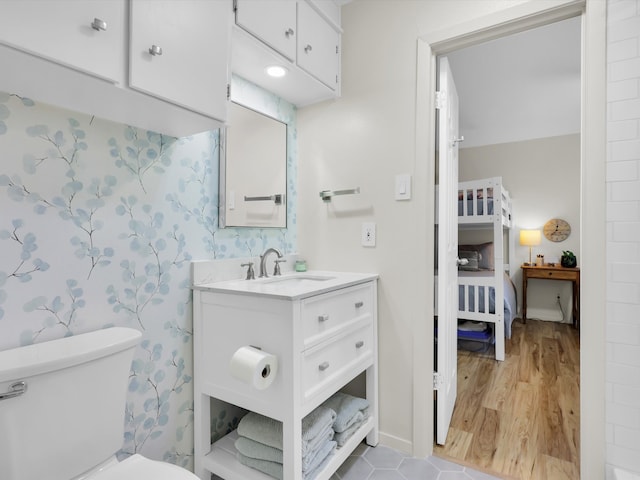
[520,419]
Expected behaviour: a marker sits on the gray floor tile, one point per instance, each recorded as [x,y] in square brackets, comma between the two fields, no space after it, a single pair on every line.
[383,457]
[382,474]
[355,468]
[413,468]
[384,463]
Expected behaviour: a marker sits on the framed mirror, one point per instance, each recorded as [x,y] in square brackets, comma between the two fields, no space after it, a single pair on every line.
[253,170]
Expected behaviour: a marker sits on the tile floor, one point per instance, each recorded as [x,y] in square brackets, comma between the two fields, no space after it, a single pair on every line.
[384,463]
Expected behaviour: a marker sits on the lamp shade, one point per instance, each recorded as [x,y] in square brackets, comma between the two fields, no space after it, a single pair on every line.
[530,238]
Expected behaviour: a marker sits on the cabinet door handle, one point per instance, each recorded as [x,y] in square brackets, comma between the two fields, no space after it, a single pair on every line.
[289,33]
[323,366]
[155,50]
[360,344]
[323,318]
[98,24]
[307,49]
[359,304]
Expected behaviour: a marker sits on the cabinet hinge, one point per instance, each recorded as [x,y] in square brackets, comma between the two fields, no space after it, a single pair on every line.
[336,79]
[337,51]
[438,381]
[441,98]
[235,5]
[228,91]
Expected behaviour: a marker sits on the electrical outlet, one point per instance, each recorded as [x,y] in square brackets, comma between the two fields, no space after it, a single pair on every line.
[368,234]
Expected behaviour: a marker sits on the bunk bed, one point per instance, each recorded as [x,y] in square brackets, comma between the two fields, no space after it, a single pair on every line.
[484,281]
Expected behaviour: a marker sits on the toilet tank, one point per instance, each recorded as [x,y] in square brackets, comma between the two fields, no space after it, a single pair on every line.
[70,418]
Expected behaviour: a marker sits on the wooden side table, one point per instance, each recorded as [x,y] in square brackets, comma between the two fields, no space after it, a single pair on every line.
[548,272]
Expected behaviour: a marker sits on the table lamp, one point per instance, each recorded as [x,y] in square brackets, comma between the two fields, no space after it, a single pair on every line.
[530,238]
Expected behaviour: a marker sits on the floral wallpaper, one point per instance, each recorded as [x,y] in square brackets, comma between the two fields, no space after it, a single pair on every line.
[99,224]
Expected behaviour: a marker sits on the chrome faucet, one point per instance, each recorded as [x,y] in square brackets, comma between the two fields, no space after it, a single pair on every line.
[263,262]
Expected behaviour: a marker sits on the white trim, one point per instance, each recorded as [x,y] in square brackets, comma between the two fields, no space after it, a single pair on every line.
[394,442]
[511,20]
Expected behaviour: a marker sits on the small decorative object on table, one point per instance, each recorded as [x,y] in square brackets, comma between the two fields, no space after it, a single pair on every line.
[568,259]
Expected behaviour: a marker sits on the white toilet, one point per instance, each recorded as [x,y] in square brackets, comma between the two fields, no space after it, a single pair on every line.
[62,411]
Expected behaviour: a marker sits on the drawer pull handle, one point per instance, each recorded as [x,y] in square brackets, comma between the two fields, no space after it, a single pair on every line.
[323,318]
[359,304]
[155,50]
[360,344]
[98,24]
[323,366]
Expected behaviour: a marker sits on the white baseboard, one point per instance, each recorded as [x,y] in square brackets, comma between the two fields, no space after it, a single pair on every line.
[396,443]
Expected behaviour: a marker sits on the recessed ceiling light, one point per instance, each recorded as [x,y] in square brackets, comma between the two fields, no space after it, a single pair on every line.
[276,71]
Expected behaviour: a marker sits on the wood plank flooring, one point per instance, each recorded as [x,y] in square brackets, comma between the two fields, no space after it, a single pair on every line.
[520,419]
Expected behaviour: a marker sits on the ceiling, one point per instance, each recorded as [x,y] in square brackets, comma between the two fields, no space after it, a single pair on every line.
[520,87]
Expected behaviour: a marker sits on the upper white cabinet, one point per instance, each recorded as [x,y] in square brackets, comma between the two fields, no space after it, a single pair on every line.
[178,51]
[273,22]
[88,36]
[156,64]
[303,36]
[318,46]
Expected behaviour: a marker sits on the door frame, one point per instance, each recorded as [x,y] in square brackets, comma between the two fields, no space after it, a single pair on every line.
[593,195]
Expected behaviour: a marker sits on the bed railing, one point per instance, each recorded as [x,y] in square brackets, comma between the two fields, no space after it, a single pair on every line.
[479,201]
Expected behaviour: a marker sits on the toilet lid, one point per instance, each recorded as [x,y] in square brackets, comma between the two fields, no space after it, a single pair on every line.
[137,467]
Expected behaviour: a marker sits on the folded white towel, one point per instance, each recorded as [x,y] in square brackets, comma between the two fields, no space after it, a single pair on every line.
[342,437]
[257,450]
[311,462]
[265,430]
[275,469]
[347,408]
[260,451]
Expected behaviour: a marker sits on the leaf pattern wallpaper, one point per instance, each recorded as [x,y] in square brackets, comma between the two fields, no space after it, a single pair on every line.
[99,224]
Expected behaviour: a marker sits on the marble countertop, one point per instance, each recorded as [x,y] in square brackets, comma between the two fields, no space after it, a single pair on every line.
[293,285]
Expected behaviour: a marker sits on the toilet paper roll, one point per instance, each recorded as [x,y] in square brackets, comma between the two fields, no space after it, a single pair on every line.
[254,367]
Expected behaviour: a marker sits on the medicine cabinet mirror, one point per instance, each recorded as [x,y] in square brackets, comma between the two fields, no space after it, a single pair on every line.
[253,170]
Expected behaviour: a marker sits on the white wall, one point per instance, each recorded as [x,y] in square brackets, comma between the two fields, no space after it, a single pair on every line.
[623,236]
[543,178]
[364,139]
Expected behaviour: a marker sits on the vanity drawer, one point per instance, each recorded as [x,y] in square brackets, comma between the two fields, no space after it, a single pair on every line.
[325,363]
[327,315]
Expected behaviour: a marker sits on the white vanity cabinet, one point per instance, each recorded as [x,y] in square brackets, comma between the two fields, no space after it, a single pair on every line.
[178,51]
[322,340]
[88,36]
[94,57]
[303,36]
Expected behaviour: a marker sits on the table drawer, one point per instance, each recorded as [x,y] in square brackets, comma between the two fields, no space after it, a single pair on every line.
[327,315]
[327,362]
[552,274]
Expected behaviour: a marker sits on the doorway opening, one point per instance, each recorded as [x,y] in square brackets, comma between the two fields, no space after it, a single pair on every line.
[593,148]
[520,117]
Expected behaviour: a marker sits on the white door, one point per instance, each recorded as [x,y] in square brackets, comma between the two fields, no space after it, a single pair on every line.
[447,341]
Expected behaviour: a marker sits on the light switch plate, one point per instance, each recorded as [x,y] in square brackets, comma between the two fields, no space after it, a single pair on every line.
[368,234]
[403,187]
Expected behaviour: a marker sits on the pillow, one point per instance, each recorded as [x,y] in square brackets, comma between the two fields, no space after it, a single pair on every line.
[472,256]
[485,254]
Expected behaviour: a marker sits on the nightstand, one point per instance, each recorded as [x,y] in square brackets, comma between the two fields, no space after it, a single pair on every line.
[548,272]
